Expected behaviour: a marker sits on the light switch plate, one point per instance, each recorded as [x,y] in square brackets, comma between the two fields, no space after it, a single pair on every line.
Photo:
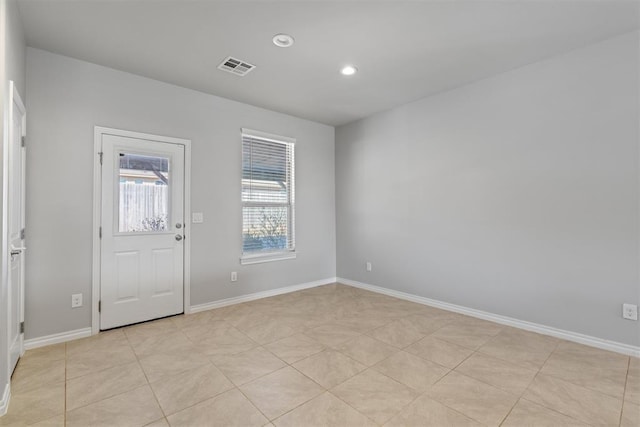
[197,217]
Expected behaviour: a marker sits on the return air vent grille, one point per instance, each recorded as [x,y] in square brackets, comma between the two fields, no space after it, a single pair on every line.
[236,66]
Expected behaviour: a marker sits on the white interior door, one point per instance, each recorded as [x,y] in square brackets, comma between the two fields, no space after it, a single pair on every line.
[16,220]
[142,244]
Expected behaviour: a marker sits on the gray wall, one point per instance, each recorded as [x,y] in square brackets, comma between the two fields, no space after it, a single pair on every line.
[517,195]
[68,97]
[12,67]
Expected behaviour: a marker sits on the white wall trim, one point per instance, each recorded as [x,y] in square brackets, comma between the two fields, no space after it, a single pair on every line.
[98,132]
[4,400]
[627,349]
[57,338]
[259,295]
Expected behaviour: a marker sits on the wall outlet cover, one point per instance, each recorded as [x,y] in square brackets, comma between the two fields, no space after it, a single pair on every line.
[76,300]
[630,311]
[197,217]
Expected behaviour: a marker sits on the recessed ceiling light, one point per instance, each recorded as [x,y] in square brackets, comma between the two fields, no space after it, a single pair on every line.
[348,70]
[283,40]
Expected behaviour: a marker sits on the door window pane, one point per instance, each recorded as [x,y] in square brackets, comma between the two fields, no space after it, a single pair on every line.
[144,193]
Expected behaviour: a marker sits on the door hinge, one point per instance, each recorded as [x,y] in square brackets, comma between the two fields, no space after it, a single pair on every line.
[22,327]
[99,306]
[100,232]
[100,154]
[22,234]
[23,141]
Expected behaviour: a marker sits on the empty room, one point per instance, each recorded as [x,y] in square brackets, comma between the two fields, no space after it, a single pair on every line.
[320,213]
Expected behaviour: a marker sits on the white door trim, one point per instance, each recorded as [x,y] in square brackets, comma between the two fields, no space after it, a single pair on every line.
[99,131]
[13,98]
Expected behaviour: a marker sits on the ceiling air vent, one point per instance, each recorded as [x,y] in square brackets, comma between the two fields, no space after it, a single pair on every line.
[236,66]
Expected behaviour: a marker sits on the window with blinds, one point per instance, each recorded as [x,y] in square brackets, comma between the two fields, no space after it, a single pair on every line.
[268,202]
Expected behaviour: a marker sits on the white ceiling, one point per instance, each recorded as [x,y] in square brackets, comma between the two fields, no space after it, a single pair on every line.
[404,50]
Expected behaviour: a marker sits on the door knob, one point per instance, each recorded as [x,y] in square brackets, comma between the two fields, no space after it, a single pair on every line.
[178,237]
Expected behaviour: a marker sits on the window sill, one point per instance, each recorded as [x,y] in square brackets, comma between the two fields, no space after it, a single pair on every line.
[260,258]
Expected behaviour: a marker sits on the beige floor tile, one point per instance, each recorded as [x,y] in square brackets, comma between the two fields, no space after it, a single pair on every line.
[428,323]
[411,370]
[441,352]
[95,343]
[632,392]
[366,350]
[36,372]
[162,365]
[589,367]
[160,343]
[280,391]
[57,421]
[426,412]
[227,340]
[226,410]
[399,333]
[577,402]
[90,361]
[35,405]
[248,365]
[471,333]
[185,320]
[185,389]
[142,331]
[630,415]
[360,323]
[527,413]
[162,422]
[496,372]
[479,401]
[101,385]
[634,366]
[50,352]
[194,331]
[295,347]
[133,408]
[324,410]
[179,355]
[375,395]
[329,368]
[271,330]
[520,347]
[332,334]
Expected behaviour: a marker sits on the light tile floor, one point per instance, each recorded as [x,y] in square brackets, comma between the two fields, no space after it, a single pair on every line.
[331,356]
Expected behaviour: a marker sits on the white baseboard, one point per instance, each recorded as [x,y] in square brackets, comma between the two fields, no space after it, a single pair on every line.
[259,295]
[4,400]
[86,332]
[56,338]
[627,349]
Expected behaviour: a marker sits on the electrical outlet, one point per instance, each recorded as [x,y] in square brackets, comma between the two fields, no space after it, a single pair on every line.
[368,266]
[234,276]
[76,300]
[630,311]
[197,217]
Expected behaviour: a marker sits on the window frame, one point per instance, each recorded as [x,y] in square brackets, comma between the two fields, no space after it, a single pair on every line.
[255,257]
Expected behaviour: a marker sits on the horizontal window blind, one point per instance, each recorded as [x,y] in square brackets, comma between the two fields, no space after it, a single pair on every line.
[267,193]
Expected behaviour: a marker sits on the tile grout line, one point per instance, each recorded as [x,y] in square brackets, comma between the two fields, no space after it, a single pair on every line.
[474,352]
[624,392]
[145,374]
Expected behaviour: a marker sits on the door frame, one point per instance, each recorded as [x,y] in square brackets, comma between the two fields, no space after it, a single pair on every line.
[14,98]
[98,132]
